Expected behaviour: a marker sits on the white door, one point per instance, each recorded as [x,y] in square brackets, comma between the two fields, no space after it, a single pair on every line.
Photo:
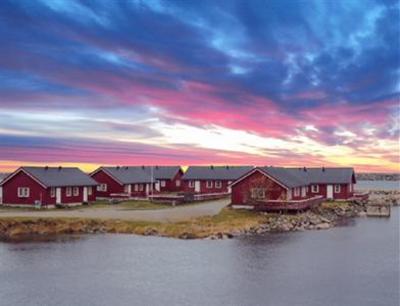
[1,195]
[196,186]
[85,194]
[157,185]
[58,195]
[329,191]
[147,189]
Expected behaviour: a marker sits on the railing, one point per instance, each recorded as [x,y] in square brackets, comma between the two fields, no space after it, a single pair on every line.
[291,205]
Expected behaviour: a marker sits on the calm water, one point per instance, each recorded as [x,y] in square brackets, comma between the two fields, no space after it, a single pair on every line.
[353,265]
[378,185]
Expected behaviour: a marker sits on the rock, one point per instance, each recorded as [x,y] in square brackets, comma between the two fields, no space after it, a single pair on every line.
[323,225]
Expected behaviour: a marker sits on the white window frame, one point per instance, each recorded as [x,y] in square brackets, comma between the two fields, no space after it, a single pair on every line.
[163,183]
[23,192]
[191,184]
[336,188]
[315,188]
[102,187]
[296,191]
[257,193]
[218,184]
[75,191]
[68,191]
[178,183]
[89,191]
[52,192]
[141,187]
[209,184]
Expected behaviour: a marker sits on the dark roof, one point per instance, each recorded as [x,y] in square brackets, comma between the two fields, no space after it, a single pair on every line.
[3,176]
[215,172]
[165,172]
[60,176]
[295,177]
[129,175]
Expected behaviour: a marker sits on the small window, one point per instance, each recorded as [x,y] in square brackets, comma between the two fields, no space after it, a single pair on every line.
[337,188]
[258,193]
[178,183]
[23,192]
[102,187]
[297,191]
[218,184]
[76,191]
[162,183]
[89,190]
[141,188]
[126,188]
[52,192]
[315,188]
[136,187]
[209,184]
[191,184]
[68,191]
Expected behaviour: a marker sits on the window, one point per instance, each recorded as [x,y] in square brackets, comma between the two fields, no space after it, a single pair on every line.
[258,193]
[297,191]
[89,190]
[209,184]
[23,192]
[178,183]
[141,187]
[191,184]
[102,187]
[218,184]
[303,191]
[126,188]
[76,191]
[337,188]
[136,187]
[68,191]
[52,192]
[314,188]
[162,183]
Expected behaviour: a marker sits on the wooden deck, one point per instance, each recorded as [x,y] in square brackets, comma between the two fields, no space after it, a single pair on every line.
[293,205]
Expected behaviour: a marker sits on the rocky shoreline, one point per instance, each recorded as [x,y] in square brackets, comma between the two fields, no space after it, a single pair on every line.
[325,216]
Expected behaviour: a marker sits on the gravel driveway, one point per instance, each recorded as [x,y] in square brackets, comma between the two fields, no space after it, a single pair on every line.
[208,208]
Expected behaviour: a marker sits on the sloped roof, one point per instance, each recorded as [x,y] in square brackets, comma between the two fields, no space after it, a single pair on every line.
[58,176]
[325,175]
[295,177]
[165,172]
[215,172]
[3,176]
[141,174]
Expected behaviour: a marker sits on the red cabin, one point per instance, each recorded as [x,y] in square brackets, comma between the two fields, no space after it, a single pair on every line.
[47,187]
[212,179]
[292,186]
[137,181]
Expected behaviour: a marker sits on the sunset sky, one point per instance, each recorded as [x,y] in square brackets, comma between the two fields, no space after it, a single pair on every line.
[285,83]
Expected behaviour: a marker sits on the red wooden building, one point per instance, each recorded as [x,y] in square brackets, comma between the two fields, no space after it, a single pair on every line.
[137,181]
[47,187]
[212,179]
[292,186]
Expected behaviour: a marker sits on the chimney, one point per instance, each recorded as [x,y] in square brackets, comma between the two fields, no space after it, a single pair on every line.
[157,167]
[59,168]
[227,167]
[126,168]
[143,167]
[305,169]
[117,167]
[212,167]
[46,168]
[323,169]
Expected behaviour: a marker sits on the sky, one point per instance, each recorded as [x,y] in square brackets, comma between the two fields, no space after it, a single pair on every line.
[271,82]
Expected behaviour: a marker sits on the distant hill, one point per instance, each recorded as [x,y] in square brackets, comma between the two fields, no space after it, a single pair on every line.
[378,176]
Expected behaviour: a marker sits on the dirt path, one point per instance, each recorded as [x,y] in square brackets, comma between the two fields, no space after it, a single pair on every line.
[114,212]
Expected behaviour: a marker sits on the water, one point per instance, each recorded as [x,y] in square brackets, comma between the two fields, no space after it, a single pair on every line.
[377,185]
[353,265]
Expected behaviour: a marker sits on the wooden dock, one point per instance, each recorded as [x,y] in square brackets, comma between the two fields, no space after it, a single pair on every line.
[378,210]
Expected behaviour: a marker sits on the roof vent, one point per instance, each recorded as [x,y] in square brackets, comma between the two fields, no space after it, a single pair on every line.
[157,167]
[59,168]
[46,168]
[117,167]
[227,167]
[212,167]
[305,169]
[143,167]
[323,169]
[126,168]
